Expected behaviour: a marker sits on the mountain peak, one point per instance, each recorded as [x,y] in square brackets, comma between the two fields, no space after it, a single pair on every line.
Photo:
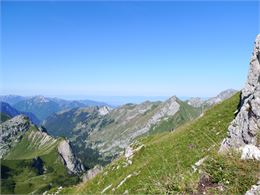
[104,110]
[221,96]
[173,98]
[41,99]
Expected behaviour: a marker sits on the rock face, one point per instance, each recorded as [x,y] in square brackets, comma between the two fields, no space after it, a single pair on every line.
[11,132]
[69,159]
[245,128]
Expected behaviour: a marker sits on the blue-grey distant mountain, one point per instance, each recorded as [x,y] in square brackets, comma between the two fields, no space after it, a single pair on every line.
[42,107]
[93,103]
[8,110]
[12,99]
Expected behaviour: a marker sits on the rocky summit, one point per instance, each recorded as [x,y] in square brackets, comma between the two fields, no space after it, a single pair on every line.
[245,128]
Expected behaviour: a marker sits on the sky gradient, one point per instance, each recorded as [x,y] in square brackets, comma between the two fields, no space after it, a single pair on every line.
[87,49]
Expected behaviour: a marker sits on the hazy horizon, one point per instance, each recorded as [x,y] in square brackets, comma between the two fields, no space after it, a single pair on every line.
[114,100]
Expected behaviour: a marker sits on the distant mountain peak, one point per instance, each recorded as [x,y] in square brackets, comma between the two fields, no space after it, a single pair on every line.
[198,102]
[41,99]
[221,96]
[104,110]
[173,99]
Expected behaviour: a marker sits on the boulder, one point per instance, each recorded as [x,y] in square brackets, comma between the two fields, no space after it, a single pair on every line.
[69,160]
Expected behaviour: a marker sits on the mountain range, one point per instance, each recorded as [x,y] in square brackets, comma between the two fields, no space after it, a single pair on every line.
[32,160]
[42,106]
[91,135]
[217,153]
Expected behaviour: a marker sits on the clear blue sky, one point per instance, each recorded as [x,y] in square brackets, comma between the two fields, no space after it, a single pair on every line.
[126,49]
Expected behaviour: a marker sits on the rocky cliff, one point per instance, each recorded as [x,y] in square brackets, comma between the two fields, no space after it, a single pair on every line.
[69,159]
[245,128]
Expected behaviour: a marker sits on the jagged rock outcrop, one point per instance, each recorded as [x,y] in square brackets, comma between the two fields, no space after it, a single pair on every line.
[245,128]
[12,131]
[69,160]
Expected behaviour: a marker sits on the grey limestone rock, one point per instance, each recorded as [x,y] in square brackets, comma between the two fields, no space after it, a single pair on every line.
[244,129]
[12,131]
[69,160]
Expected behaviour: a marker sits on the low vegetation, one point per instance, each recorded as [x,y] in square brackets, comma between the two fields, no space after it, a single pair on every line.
[30,168]
[185,114]
[167,162]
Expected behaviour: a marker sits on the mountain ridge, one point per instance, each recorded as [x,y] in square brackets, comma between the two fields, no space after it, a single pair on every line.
[32,161]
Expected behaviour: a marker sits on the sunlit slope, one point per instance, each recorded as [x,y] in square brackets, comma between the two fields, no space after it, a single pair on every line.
[33,144]
[34,165]
[164,163]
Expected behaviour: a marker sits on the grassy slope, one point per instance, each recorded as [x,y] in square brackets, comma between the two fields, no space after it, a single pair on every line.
[19,176]
[164,165]
[185,114]
[29,148]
